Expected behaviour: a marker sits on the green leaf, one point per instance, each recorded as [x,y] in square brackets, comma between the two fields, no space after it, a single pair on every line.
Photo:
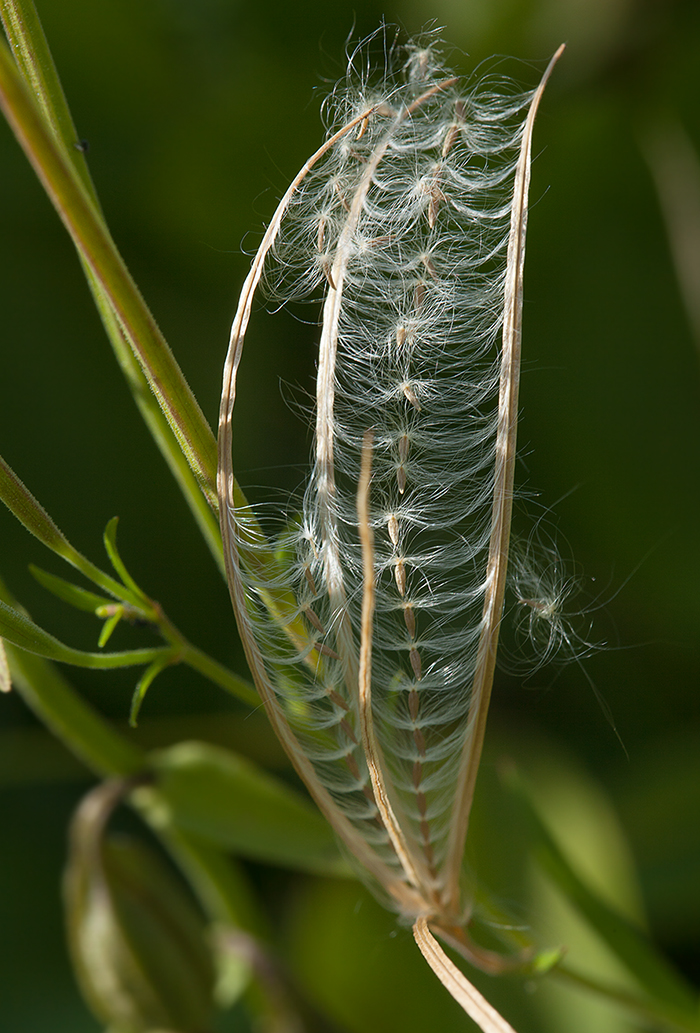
[75,723]
[34,518]
[108,627]
[81,598]
[110,540]
[626,941]
[22,632]
[144,684]
[22,504]
[219,796]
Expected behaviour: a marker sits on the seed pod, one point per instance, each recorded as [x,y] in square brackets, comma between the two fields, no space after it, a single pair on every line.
[138,944]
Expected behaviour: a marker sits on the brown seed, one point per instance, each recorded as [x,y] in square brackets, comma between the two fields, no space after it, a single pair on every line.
[310,579]
[403,447]
[401,478]
[414,657]
[327,651]
[352,766]
[338,700]
[348,731]
[410,619]
[417,773]
[393,529]
[363,127]
[344,203]
[313,619]
[418,296]
[326,266]
[400,336]
[449,141]
[400,575]
[419,740]
[436,199]
[413,704]
[321,235]
[433,210]
[428,263]
[411,396]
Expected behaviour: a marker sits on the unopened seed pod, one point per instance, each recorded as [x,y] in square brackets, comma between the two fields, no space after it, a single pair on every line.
[138,944]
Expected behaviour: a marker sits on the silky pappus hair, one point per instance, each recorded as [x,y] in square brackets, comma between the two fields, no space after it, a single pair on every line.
[371,624]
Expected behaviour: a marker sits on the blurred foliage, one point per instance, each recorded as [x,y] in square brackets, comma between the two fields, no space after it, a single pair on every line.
[197,114]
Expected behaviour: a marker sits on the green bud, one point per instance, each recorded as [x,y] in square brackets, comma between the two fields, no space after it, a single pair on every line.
[138,944]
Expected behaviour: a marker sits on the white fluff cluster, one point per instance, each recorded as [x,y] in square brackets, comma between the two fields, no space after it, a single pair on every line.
[404,226]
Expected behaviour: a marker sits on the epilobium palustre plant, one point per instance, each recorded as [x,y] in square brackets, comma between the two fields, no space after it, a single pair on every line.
[374,646]
[371,619]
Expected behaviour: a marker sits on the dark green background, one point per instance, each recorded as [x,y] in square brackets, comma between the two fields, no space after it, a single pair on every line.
[198,113]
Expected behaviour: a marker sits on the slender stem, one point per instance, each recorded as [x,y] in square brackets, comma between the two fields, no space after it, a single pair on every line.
[81,217]
[31,51]
[220,675]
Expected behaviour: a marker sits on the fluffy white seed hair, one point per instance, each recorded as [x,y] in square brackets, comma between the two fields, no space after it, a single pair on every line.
[371,625]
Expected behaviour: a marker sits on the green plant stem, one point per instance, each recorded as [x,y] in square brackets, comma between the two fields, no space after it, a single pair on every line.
[84,223]
[37,521]
[217,673]
[47,134]
[31,51]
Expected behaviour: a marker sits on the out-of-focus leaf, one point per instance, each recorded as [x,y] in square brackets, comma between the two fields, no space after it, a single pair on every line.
[660,802]
[5,679]
[225,799]
[627,942]
[32,756]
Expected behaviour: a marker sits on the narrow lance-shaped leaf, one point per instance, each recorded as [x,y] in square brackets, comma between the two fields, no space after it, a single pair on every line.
[18,629]
[32,515]
[73,721]
[626,942]
[225,799]
[81,598]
